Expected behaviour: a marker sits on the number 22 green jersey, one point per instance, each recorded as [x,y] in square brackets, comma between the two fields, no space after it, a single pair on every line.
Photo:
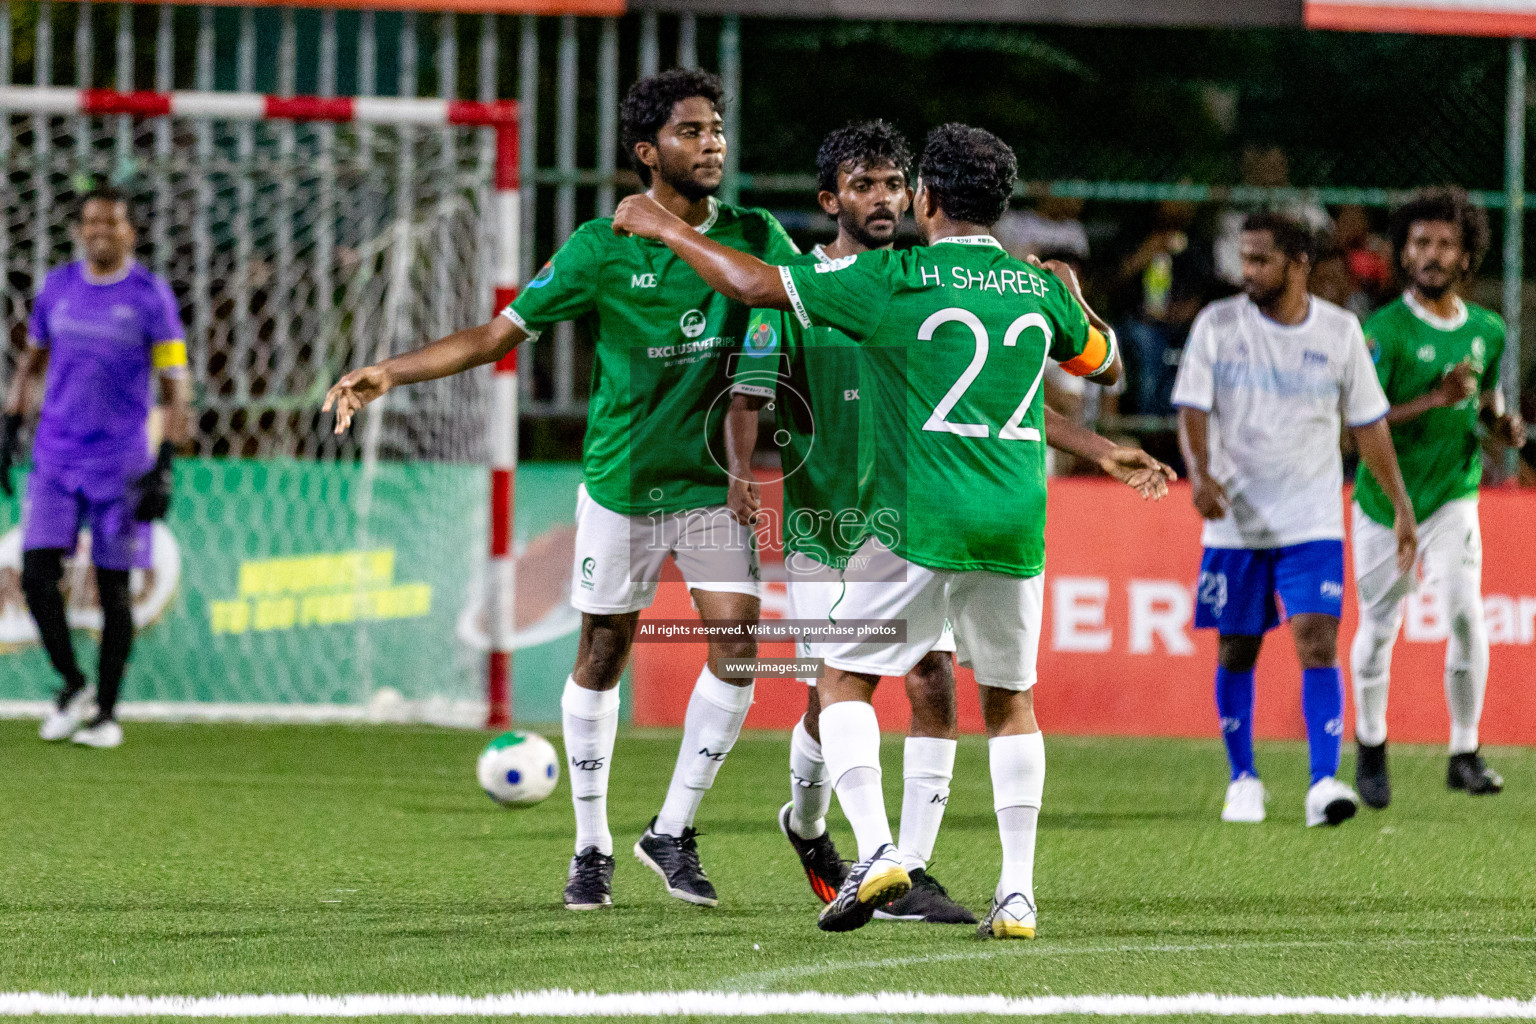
[662,337]
[955,337]
[1437,451]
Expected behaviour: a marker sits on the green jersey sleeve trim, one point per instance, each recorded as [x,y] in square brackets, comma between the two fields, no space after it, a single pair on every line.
[521,324]
[794,297]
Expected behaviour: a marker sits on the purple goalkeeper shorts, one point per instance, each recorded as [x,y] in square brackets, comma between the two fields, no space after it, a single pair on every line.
[59,502]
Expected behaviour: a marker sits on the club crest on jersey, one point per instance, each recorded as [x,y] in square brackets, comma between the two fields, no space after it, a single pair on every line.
[1426,353]
[692,323]
[122,312]
[762,340]
[1478,349]
[543,277]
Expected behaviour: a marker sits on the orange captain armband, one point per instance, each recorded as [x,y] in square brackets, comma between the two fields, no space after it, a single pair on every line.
[169,355]
[1097,354]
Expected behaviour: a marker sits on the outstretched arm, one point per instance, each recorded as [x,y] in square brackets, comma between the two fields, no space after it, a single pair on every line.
[460,351]
[1131,466]
[1376,451]
[736,275]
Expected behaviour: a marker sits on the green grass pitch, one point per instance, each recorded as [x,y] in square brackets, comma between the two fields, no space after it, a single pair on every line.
[202,859]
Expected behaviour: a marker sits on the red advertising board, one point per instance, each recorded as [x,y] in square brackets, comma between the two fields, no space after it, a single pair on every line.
[1435,17]
[1119,656]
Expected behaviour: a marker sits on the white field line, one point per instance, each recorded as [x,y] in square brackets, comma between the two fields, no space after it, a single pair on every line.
[565,1003]
[754,980]
[459,713]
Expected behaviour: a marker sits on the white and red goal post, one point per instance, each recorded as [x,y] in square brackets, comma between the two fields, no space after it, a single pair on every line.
[500,221]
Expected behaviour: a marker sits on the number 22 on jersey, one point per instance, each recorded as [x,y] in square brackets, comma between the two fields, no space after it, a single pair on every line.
[1013,430]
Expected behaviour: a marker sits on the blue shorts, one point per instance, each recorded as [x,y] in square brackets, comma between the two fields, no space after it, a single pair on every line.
[1238,586]
[59,503]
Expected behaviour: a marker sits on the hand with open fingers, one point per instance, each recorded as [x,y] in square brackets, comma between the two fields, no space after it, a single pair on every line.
[1139,471]
[1211,499]
[1407,541]
[348,395]
[744,500]
[641,215]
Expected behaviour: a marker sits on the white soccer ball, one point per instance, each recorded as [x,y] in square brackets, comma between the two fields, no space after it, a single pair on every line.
[518,768]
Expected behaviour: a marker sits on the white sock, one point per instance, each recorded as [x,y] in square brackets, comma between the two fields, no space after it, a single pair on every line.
[1370,662]
[1018,782]
[809,794]
[715,713]
[590,720]
[1466,666]
[850,742]
[927,766]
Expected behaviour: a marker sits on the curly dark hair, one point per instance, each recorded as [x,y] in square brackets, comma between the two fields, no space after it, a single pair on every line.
[1291,236]
[970,172]
[861,143]
[1442,203]
[649,102]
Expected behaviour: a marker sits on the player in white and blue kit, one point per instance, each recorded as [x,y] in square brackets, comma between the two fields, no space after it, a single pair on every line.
[1266,379]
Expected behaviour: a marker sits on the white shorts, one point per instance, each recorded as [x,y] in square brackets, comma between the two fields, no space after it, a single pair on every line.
[1450,553]
[617,564]
[813,587]
[995,618]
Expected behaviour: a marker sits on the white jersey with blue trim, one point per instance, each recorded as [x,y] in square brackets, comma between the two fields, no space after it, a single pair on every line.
[1278,396]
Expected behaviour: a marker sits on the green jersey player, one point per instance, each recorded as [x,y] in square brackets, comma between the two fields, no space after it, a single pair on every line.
[1437,357]
[651,487]
[811,377]
[955,335]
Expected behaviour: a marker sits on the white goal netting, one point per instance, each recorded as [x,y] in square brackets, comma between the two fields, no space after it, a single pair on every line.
[314,571]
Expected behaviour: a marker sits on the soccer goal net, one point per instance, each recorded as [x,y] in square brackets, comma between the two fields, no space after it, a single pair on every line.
[300,574]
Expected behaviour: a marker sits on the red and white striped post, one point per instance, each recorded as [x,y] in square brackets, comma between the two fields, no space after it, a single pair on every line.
[501,575]
[500,115]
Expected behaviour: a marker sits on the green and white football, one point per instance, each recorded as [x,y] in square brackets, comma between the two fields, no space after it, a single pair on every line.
[518,768]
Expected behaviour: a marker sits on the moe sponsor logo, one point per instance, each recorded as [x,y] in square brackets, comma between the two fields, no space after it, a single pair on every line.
[692,323]
[1426,353]
[642,280]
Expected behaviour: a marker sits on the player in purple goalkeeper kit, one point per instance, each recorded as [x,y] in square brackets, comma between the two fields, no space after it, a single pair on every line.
[101,328]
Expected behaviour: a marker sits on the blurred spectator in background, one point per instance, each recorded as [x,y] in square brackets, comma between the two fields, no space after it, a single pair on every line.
[1160,284]
[1051,230]
[1264,166]
[1355,268]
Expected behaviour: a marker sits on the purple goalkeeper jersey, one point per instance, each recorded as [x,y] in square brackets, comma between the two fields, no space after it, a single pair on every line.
[100,338]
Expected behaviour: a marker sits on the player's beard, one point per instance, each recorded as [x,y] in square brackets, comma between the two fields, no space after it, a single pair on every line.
[1264,296]
[860,232]
[683,183]
[1435,290]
